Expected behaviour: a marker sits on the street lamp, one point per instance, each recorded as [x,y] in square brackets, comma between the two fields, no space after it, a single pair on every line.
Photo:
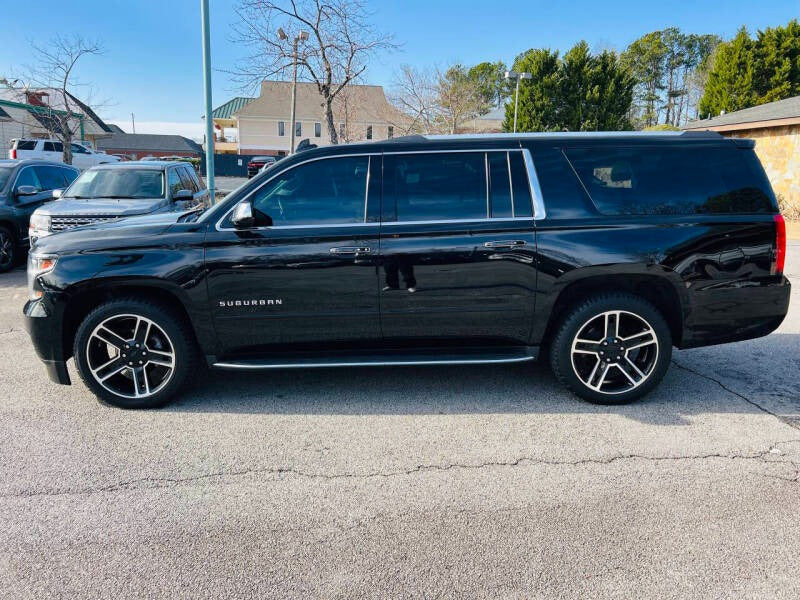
[517,75]
[300,37]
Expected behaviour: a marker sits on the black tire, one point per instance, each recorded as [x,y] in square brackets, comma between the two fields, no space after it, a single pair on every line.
[167,333]
[617,368]
[9,250]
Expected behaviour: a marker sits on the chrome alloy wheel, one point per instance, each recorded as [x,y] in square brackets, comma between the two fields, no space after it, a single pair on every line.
[614,352]
[6,250]
[130,356]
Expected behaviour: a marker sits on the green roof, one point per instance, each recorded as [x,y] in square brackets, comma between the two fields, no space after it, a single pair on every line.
[231,106]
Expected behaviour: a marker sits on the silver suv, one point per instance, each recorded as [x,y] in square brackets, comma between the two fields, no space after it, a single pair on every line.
[117,191]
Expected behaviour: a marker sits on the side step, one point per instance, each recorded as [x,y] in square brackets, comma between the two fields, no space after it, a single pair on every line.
[383,358]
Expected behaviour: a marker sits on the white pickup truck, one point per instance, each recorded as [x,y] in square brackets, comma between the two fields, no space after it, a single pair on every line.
[52,150]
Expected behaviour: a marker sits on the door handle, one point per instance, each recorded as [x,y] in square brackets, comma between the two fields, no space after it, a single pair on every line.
[350,250]
[504,244]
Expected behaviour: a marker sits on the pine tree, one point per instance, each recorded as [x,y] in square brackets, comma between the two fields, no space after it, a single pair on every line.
[730,82]
[539,96]
[777,63]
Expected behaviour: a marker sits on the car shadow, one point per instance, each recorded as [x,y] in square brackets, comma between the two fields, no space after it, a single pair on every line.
[699,381]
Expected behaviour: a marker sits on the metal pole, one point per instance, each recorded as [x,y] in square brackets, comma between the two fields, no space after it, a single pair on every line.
[516,103]
[209,120]
[294,95]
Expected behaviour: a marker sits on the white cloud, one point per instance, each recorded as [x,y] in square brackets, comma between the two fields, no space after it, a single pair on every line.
[190,130]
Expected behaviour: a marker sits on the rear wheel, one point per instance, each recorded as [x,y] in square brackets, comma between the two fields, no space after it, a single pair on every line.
[134,353]
[611,349]
[8,249]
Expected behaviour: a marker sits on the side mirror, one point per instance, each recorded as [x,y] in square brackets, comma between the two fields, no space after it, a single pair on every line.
[27,190]
[182,195]
[243,217]
[57,194]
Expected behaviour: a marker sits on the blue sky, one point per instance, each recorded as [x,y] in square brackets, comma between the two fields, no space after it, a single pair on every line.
[152,64]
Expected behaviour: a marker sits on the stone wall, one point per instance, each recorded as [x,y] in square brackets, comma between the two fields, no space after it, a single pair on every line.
[778,148]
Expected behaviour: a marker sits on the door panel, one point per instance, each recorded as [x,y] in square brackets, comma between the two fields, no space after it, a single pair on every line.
[463,287]
[285,286]
[310,278]
[450,271]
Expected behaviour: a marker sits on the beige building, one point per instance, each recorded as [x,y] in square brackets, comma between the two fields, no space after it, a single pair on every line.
[261,125]
[775,127]
[32,113]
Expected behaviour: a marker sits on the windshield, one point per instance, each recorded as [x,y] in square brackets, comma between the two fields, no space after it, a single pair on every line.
[5,173]
[118,183]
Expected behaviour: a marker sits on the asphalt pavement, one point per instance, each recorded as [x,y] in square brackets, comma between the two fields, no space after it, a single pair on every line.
[466,482]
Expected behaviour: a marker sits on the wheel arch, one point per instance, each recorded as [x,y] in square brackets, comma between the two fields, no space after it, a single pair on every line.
[86,298]
[657,287]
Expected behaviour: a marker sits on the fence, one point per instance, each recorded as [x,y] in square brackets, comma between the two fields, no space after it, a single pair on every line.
[229,165]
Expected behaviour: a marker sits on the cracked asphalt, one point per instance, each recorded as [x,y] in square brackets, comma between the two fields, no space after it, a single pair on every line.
[466,482]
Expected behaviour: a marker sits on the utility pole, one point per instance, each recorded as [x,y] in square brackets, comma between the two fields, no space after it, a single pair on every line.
[209,106]
[516,75]
[301,37]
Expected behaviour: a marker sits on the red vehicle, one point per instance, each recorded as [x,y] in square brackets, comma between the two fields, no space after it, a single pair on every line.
[257,163]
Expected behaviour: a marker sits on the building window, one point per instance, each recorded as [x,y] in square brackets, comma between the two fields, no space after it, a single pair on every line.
[281,128]
[341,130]
[369,132]
[317,129]
[390,132]
[298,129]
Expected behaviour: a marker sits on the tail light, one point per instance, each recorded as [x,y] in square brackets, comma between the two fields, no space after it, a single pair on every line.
[13,154]
[780,245]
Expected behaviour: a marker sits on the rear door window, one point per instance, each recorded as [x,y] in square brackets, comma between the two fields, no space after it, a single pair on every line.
[523,206]
[70,175]
[53,147]
[435,186]
[499,185]
[670,180]
[51,178]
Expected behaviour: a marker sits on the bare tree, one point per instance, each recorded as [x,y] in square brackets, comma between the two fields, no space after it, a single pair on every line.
[341,41]
[439,101]
[414,95]
[459,97]
[54,73]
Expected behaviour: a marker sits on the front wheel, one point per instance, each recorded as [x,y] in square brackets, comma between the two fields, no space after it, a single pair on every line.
[134,353]
[8,250]
[611,349]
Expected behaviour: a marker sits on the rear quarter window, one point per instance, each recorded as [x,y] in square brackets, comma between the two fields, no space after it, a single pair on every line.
[26,145]
[661,180]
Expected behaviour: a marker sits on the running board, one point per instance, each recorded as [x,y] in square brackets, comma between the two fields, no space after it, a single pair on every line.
[385,358]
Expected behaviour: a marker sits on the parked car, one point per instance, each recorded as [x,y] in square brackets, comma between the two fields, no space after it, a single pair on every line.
[24,186]
[257,163]
[113,192]
[83,157]
[599,251]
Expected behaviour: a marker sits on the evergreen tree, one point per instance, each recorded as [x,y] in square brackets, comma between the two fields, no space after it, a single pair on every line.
[538,97]
[730,82]
[490,79]
[579,92]
[776,65]
[646,59]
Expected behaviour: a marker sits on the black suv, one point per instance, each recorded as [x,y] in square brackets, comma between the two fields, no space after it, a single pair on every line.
[601,251]
[24,186]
